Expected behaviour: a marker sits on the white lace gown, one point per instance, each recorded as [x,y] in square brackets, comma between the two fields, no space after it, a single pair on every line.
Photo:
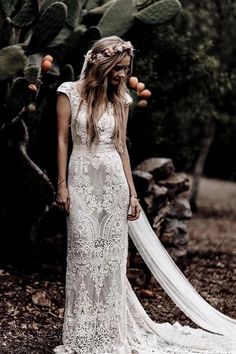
[102,313]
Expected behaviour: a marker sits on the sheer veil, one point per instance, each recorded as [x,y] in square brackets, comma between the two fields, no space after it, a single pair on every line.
[85,63]
[174,282]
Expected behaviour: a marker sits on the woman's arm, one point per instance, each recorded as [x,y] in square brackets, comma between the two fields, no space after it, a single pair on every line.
[134,204]
[63,122]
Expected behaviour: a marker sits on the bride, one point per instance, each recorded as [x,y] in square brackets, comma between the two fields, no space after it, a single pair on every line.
[96,190]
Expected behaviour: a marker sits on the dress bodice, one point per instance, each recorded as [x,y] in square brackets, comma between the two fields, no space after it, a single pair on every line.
[105,124]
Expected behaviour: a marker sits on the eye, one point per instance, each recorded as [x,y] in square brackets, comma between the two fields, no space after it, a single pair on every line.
[120,67]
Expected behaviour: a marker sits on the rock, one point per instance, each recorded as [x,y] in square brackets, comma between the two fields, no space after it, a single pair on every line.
[40,298]
[147,293]
[143,181]
[136,276]
[180,209]
[159,220]
[175,233]
[156,198]
[177,183]
[160,168]
[177,254]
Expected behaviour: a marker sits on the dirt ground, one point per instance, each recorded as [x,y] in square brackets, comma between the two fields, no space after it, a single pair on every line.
[31,312]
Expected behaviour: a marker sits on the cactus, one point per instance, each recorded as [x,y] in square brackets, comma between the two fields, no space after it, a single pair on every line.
[73,11]
[100,10]
[91,4]
[78,44]
[18,98]
[67,73]
[61,38]
[8,7]
[73,41]
[73,8]
[90,35]
[118,18]
[12,60]
[31,73]
[49,25]
[65,29]
[143,3]
[26,15]
[159,12]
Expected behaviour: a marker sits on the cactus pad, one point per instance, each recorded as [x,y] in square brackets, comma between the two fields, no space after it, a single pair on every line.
[27,14]
[18,98]
[12,59]
[73,9]
[159,12]
[118,18]
[67,73]
[8,7]
[49,25]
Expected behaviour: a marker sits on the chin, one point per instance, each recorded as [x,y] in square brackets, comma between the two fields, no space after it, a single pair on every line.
[115,82]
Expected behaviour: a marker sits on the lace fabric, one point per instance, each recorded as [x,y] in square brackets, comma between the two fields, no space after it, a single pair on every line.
[102,313]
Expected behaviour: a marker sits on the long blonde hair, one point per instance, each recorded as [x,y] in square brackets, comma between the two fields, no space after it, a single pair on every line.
[95,88]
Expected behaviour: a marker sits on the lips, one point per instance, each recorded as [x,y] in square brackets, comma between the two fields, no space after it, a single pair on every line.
[117,80]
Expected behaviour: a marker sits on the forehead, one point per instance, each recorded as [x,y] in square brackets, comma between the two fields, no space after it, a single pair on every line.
[125,61]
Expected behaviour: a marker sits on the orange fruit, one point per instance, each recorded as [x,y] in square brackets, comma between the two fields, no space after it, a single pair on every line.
[142,104]
[48,57]
[145,93]
[133,81]
[140,87]
[32,87]
[46,65]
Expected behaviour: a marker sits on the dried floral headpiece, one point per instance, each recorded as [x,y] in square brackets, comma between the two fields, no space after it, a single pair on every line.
[110,51]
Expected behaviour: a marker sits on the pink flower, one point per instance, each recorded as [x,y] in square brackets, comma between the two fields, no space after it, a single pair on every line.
[119,48]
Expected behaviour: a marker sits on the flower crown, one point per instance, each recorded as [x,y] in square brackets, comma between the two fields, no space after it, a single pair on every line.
[110,51]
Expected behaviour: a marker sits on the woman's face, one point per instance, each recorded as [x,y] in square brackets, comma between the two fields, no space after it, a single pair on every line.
[119,71]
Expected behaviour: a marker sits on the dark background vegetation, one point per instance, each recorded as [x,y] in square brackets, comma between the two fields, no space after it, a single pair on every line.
[189,65]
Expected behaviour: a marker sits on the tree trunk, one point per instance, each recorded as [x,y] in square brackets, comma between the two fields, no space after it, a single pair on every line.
[208,136]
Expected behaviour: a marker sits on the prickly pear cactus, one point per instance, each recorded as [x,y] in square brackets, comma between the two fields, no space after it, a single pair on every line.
[117,21]
[8,7]
[49,25]
[159,12]
[65,30]
[26,15]
[12,60]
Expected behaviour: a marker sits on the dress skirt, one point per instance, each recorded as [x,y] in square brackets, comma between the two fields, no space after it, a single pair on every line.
[97,248]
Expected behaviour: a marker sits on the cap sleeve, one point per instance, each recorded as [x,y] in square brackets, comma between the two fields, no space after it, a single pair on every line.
[128,99]
[64,88]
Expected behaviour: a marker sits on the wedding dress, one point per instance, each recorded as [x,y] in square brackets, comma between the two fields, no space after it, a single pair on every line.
[102,313]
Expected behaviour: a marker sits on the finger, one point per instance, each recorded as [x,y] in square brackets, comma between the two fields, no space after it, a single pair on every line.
[132,217]
[133,210]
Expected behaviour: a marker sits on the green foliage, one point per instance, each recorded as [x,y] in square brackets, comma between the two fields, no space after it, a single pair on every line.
[118,18]
[193,82]
[48,26]
[159,12]
[12,60]
[92,4]
[73,7]
[18,98]
[8,7]
[26,15]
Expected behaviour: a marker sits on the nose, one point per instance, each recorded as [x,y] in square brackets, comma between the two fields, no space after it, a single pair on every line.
[122,73]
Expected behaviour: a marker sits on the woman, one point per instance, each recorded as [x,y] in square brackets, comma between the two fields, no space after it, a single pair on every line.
[102,313]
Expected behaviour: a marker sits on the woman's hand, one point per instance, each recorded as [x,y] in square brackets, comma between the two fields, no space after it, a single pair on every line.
[63,200]
[134,209]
